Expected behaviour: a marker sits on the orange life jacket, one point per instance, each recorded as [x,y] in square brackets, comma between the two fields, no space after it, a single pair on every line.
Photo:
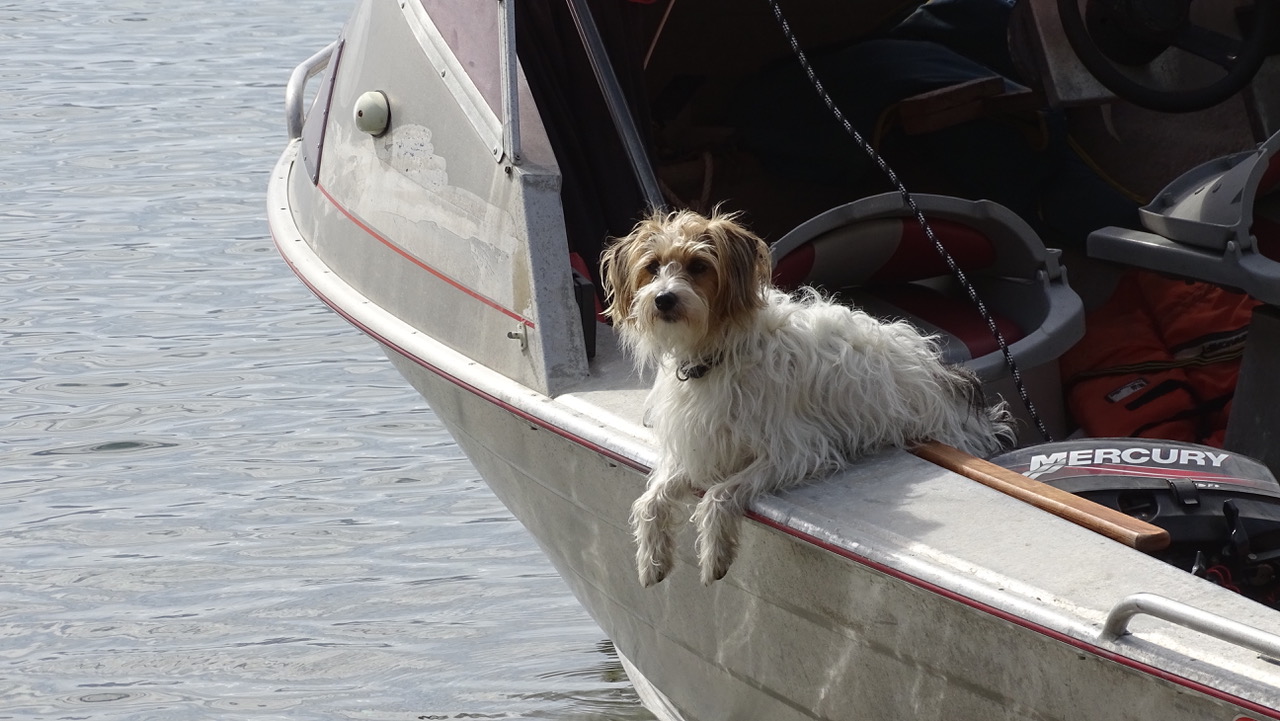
[1159,360]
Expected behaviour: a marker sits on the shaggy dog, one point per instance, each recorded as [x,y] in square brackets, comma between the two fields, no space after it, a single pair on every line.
[758,390]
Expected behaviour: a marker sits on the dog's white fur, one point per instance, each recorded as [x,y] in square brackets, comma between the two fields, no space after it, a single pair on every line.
[758,390]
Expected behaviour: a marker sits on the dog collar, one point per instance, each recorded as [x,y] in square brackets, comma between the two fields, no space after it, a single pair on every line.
[685,371]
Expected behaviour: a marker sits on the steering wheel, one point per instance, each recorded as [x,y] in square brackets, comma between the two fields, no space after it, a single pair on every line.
[1135,32]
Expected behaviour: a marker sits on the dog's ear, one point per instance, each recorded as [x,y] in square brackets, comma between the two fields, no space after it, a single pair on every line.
[618,275]
[611,273]
[745,269]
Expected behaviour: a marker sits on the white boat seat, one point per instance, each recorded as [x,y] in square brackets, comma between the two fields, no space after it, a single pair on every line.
[874,253]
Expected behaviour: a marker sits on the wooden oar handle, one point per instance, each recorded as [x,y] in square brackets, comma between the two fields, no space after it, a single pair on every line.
[1109,522]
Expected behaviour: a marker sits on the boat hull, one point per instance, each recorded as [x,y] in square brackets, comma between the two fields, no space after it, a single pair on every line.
[798,630]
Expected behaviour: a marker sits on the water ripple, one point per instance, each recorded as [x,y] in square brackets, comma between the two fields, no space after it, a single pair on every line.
[216,499]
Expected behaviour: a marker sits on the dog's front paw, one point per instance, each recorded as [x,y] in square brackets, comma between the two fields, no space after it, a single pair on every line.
[654,558]
[717,518]
[715,555]
[651,516]
[655,552]
[652,572]
[716,570]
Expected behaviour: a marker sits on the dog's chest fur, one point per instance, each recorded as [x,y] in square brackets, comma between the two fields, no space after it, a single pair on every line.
[705,424]
[769,393]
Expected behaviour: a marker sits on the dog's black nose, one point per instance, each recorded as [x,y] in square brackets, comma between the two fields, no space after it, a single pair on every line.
[665,301]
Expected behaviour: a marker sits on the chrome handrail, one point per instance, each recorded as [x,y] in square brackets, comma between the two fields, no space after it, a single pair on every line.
[1196,619]
[296,89]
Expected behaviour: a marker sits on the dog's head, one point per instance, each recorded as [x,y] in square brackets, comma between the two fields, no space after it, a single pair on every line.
[680,280]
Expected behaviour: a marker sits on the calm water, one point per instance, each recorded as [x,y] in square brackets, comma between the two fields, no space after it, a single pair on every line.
[217,500]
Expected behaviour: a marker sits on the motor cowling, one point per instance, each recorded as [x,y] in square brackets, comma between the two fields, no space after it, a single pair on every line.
[1221,509]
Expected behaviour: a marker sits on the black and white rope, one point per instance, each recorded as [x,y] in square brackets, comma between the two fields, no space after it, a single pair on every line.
[956,271]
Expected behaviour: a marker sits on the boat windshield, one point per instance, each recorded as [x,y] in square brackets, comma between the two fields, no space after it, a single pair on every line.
[473,32]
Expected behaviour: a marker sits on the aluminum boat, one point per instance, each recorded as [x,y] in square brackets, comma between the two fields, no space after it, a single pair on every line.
[453,168]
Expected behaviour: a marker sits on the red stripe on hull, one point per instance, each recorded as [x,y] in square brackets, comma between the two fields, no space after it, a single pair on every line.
[418,262]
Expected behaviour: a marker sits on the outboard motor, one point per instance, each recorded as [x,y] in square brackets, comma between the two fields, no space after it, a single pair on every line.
[1221,509]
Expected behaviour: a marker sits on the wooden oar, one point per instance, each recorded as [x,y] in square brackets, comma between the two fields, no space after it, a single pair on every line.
[1109,522]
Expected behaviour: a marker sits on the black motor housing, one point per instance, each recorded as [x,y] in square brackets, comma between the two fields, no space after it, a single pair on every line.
[1221,509]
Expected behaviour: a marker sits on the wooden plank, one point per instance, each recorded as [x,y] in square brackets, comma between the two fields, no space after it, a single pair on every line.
[954,104]
[1096,517]
[944,107]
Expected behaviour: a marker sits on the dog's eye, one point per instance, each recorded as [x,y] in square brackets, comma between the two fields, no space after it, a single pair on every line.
[652,268]
[698,267]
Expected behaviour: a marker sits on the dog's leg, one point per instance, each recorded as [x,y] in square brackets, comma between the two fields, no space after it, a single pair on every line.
[654,518]
[717,518]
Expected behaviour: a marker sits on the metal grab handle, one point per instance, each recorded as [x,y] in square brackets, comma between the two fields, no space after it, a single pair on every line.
[1196,619]
[294,91]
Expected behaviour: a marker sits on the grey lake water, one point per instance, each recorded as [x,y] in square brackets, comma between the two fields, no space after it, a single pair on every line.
[217,500]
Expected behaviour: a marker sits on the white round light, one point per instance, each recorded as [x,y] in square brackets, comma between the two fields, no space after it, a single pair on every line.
[373,113]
